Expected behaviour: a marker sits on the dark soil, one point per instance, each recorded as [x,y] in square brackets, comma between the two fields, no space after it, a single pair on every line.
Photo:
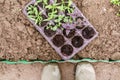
[77,41]
[67,50]
[70,34]
[43,22]
[41,4]
[88,32]
[19,40]
[49,32]
[58,40]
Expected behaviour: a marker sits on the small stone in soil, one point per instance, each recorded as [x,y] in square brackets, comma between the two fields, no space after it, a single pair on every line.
[70,34]
[67,50]
[49,32]
[58,40]
[88,32]
[77,41]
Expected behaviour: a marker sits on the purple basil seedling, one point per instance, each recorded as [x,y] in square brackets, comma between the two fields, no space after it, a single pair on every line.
[62,24]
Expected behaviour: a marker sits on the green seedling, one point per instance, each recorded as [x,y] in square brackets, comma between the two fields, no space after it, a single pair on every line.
[38,1]
[68,19]
[64,7]
[51,16]
[45,2]
[115,2]
[34,14]
[54,28]
[118,14]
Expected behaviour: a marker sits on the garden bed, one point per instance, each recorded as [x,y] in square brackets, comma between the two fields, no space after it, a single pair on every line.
[19,40]
[62,24]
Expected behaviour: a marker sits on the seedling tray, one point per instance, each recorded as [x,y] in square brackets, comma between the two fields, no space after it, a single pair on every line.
[70,38]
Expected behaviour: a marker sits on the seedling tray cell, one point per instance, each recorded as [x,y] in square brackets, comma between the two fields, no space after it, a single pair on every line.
[70,37]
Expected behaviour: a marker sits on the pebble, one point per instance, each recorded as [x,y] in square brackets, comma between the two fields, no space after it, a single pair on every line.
[116,56]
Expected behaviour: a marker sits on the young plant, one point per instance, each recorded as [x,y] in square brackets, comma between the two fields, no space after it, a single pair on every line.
[45,2]
[34,14]
[116,2]
[66,6]
[51,16]
[53,7]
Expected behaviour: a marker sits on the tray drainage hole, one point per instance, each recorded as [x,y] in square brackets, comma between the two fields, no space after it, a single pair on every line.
[77,41]
[49,32]
[69,33]
[58,40]
[88,32]
[67,50]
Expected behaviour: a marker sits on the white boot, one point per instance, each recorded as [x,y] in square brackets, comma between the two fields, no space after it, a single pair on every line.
[51,72]
[85,71]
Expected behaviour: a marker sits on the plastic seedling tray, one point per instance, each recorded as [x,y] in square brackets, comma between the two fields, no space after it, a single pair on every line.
[70,37]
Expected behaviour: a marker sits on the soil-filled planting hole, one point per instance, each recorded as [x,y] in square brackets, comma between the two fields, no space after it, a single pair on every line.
[67,50]
[31,8]
[77,41]
[59,1]
[43,23]
[58,40]
[69,33]
[88,32]
[49,32]
[41,4]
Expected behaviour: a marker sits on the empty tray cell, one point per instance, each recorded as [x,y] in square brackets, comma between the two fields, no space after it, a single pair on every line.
[49,32]
[58,40]
[77,41]
[88,32]
[79,22]
[67,50]
[69,33]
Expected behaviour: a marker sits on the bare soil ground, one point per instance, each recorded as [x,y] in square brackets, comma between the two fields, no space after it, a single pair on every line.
[19,40]
[104,71]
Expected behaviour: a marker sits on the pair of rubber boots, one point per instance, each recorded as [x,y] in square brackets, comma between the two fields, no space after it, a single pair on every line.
[84,71]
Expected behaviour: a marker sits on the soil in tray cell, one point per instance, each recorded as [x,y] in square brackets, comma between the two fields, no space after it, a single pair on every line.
[67,50]
[49,32]
[88,32]
[58,40]
[69,33]
[77,41]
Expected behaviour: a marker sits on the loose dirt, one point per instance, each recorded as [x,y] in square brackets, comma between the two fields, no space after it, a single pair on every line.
[19,40]
[104,71]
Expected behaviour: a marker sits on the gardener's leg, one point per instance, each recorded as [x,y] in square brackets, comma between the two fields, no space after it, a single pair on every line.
[85,71]
[51,72]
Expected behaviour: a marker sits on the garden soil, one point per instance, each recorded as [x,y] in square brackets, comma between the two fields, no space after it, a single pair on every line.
[104,71]
[19,40]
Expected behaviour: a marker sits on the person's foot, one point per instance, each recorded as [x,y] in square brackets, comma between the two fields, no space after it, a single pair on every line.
[85,71]
[51,72]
